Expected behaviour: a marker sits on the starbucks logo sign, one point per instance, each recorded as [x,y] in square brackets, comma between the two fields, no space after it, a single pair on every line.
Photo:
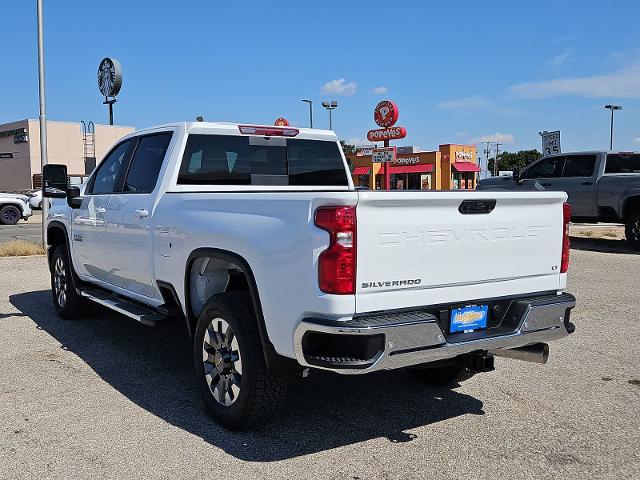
[109,77]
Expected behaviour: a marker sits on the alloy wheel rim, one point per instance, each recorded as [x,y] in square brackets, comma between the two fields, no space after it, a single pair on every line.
[60,282]
[635,231]
[9,215]
[222,362]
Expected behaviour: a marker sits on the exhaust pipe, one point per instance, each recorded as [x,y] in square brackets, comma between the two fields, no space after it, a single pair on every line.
[536,353]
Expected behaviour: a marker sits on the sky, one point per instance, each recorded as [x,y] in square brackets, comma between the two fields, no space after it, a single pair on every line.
[460,72]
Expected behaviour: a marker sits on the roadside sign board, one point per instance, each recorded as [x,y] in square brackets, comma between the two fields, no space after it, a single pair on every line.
[383,155]
[385,114]
[551,143]
[393,133]
[365,150]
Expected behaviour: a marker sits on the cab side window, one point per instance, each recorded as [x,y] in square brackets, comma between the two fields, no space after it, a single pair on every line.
[104,180]
[146,163]
[550,167]
[579,166]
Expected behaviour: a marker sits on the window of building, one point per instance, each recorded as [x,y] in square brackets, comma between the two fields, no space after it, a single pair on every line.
[623,163]
[146,163]
[579,166]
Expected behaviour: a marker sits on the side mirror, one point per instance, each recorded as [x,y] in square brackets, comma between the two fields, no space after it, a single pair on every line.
[54,181]
[74,200]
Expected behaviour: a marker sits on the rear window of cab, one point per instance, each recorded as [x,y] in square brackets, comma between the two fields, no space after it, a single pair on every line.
[249,160]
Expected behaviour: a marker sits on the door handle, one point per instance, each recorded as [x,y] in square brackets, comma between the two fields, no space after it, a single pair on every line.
[141,213]
[586,183]
[100,210]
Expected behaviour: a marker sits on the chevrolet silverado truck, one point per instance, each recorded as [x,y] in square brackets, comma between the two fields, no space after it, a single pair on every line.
[602,186]
[256,239]
[13,208]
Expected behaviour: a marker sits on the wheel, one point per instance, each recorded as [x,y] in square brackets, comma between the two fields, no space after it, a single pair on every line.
[236,386]
[68,303]
[632,231]
[441,376]
[9,215]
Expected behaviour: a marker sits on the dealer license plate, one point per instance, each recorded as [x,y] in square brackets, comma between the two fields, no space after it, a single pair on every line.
[468,319]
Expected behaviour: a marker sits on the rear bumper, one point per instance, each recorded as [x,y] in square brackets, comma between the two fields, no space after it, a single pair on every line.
[400,339]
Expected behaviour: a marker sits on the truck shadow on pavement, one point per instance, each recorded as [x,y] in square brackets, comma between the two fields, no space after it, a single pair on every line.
[602,245]
[153,368]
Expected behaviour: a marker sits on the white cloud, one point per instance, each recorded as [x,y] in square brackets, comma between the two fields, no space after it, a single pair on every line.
[559,59]
[381,90]
[339,87]
[636,140]
[494,137]
[465,103]
[621,84]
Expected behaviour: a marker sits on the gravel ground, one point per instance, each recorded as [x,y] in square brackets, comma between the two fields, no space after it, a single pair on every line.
[107,398]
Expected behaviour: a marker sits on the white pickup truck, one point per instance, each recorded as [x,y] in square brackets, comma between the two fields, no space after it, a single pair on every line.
[256,239]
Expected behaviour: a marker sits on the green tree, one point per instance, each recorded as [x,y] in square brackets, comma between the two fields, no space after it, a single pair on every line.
[348,148]
[510,160]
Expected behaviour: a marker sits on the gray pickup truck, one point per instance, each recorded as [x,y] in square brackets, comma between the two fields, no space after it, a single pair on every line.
[602,186]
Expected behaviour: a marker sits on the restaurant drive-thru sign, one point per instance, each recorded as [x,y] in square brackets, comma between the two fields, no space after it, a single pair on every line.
[383,155]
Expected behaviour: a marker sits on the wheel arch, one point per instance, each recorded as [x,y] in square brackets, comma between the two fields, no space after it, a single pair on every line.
[57,235]
[630,205]
[273,360]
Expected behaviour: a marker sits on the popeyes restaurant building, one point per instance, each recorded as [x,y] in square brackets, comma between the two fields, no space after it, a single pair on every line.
[451,167]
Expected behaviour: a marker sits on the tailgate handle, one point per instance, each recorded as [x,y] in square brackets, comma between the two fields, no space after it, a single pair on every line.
[469,207]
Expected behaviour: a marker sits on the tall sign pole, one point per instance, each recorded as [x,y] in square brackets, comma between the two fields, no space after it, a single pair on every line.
[43,119]
[386,115]
[109,82]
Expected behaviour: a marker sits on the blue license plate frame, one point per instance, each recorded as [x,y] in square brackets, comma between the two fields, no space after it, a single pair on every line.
[468,319]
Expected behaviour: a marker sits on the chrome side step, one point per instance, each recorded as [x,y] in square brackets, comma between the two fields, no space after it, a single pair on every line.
[141,313]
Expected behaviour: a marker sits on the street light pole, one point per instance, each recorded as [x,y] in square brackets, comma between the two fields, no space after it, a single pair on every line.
[330,106]
[310,112]
[43,120]
[612,108]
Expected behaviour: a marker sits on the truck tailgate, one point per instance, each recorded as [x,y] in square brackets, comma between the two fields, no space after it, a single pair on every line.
[417,248]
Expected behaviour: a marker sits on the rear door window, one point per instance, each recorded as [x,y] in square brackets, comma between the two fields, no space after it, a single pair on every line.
[623,163]
[146,163]
[244,160]
[579,166]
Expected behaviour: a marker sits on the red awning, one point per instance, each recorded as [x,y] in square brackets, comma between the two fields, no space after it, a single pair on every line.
[465,167]
[421,168]
[360,171]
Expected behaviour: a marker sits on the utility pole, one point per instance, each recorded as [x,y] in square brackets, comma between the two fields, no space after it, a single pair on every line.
[495,163]
[43,120]
[487,151]
[310,111]
[612,108]
[330,106]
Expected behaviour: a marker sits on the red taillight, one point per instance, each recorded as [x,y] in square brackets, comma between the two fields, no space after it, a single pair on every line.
[269,131]
[566,244]
[337,264]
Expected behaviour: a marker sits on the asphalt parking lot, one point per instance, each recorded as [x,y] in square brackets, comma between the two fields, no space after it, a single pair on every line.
[105,397]
[30,230]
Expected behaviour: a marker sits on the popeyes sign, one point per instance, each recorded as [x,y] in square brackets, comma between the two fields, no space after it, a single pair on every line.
[386,115]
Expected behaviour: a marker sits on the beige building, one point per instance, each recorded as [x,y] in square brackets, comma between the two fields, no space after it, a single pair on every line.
[67,142]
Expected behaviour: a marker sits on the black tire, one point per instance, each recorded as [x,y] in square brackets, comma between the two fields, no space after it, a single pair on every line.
[67,302]
[10,215]
[632,230]
[258,392]
[441,376]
